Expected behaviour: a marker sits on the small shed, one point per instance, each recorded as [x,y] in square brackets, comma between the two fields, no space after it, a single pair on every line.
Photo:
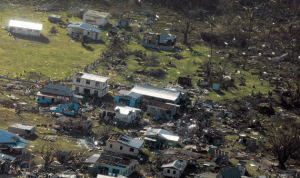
[54,18]
[22,130]
[25,28]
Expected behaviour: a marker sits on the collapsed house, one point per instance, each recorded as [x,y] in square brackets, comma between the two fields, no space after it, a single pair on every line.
[73,126]
[25,28]
[96,17]
[22,130]
[90,84]
[5,162]
[56,94]
[174,169]
[111,165]
[124,114]
[246,140]
[123,144]
[160,110]
[122,23]
[12,143]
[77,29]
[158,138]
[159,41]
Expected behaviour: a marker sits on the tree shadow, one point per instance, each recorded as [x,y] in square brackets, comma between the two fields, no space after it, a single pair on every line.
[41,38]
[89,48]
[193,52]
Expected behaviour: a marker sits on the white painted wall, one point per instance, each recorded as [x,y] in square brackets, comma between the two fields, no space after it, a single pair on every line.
[116,148]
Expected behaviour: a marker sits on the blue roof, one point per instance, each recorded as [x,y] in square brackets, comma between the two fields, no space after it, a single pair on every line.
[12,140]
[84,26]
[57,90]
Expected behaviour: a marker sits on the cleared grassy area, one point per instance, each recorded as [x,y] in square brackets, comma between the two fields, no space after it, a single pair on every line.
[57,59]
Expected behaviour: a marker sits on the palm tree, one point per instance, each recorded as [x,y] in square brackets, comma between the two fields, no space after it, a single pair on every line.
[211,21]
[115,47]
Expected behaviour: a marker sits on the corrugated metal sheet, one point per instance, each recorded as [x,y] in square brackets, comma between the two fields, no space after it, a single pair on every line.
[92,77]
[57,90]
[93,159]
[164,134]
[156,92]
[26,25]
[135,143]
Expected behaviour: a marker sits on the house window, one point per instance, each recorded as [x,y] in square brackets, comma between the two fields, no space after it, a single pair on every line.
[168,171]
[76,89]
[78,80]
[174,172]
[87,82]
[111,146]
[131,149]
[97,84]
[121,147]
[96,93]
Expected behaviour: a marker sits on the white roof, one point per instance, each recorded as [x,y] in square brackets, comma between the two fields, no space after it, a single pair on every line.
[164,134]
[126,110]
[177,164]
[155,92]
[21,126]
[27,25]
[92,77]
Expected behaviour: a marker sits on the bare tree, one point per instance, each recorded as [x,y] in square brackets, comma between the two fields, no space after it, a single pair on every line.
[115,47]
[283,140]
[185,27]
[105,131]
[48,152]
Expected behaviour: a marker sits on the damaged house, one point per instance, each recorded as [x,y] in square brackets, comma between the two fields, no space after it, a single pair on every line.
[123,144]
[147,92]
[112,165]
[122,23]
[160,110]
[159,41]
[73,126]
[90,84]
[56,93]
[128,98]
[160,137]
[22,130]
[12,143]
[5,162]
[25,28]
[96,17]
[124,114]
[174,169]
[77,29]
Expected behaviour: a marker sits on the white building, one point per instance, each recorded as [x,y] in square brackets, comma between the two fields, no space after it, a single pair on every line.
[90,84]
[25,28]
[123,114]
[124,145]
[174,169]
[96,17]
